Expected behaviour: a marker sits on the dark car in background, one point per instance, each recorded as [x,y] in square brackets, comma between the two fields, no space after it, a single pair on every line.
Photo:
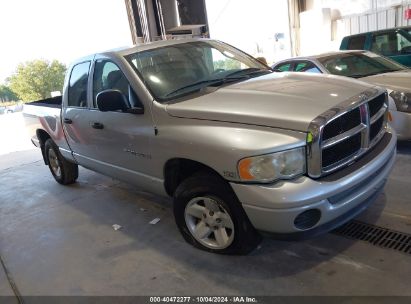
[394,43]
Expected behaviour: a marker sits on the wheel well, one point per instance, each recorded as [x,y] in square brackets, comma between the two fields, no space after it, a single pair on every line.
[178,169]
[42,137]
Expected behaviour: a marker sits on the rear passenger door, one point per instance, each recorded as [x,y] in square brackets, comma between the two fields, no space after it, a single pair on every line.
[76,108]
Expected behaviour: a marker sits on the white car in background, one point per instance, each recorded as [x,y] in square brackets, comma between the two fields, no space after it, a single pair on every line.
[365,66]
[11,109]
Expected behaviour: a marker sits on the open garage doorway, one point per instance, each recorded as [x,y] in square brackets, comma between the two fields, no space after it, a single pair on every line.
[260,27]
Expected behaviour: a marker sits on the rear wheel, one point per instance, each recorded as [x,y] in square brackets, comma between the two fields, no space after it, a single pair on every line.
[63,171]
[211,218]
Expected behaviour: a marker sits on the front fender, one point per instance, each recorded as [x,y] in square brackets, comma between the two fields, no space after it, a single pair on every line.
[220,145]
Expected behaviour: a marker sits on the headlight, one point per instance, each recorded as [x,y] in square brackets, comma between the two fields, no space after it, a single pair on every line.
[271,167]
[402,101]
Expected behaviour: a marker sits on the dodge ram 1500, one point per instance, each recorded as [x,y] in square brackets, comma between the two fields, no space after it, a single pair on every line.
[240,149]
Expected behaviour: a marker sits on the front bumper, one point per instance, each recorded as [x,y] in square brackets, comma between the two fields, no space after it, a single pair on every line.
[401,122]
[338,197]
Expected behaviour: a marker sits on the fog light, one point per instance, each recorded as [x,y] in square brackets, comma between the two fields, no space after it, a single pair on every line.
[307,219]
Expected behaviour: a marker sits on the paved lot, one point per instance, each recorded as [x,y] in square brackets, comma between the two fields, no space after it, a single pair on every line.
[13,135]
[59,240]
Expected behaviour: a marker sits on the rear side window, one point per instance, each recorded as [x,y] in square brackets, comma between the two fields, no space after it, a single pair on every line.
[301,66]
[307,67]
[356,43]
[77,92]
[284,67]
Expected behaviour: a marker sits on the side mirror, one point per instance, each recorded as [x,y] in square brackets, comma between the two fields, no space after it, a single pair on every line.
[111,100]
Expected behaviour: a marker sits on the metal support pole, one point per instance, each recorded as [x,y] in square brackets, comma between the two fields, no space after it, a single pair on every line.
[142,12]
[131,21]
[161,20]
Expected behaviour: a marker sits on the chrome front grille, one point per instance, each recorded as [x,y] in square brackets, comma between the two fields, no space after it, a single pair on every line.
[345,133]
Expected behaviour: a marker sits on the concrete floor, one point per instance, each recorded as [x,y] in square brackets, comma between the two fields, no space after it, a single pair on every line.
[59,240]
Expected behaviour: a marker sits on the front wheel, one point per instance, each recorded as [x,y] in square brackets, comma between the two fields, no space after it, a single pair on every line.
[211,218]
[63,171]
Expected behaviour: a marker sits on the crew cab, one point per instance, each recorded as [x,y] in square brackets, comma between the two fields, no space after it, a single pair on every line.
[240,149]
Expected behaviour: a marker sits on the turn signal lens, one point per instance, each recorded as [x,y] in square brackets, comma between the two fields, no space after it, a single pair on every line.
[244,169]
[389,116]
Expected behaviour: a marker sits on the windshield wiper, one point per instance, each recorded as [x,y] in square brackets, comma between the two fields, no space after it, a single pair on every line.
[208,82]
[355,75]
[248,71]
[374,73]
[388,71]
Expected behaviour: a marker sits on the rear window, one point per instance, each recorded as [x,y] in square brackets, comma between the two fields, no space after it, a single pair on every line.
[77,92]
[356,43]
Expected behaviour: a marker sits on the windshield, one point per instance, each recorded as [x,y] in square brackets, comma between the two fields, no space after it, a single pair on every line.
[359,65]
[172,71]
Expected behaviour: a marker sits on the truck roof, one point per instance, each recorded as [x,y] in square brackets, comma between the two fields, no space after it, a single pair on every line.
[123,51]
[381,31]
[310,57]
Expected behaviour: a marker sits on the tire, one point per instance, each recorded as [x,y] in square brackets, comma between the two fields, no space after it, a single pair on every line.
[203,199]
[63,171]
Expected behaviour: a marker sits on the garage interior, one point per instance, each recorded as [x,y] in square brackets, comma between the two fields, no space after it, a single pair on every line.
[59,240]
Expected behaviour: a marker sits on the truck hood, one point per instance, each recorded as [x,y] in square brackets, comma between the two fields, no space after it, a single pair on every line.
[397,81]
[281,100]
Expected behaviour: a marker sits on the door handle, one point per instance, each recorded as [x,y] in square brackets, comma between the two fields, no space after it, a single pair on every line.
[97,125]
[67,121]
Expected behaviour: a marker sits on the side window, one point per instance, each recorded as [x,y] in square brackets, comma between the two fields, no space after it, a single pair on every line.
[107,75]
[385,44]
[307,67]
[404,45]
[284,67]
[313,69]
[77,92]
[356,43]
[301,66]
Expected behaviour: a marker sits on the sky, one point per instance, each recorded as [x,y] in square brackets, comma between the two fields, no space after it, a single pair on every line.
[59,29]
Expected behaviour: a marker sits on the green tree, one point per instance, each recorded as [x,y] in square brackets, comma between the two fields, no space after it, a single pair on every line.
[227,64]
[36,79]
[6,94]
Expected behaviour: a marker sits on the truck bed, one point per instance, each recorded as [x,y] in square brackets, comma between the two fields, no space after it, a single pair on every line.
[44,115]
[53,102]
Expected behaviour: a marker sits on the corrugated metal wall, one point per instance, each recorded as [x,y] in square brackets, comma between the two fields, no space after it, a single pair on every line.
[386,18]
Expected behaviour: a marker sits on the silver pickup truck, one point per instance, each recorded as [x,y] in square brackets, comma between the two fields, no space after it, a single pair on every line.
[240,149]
